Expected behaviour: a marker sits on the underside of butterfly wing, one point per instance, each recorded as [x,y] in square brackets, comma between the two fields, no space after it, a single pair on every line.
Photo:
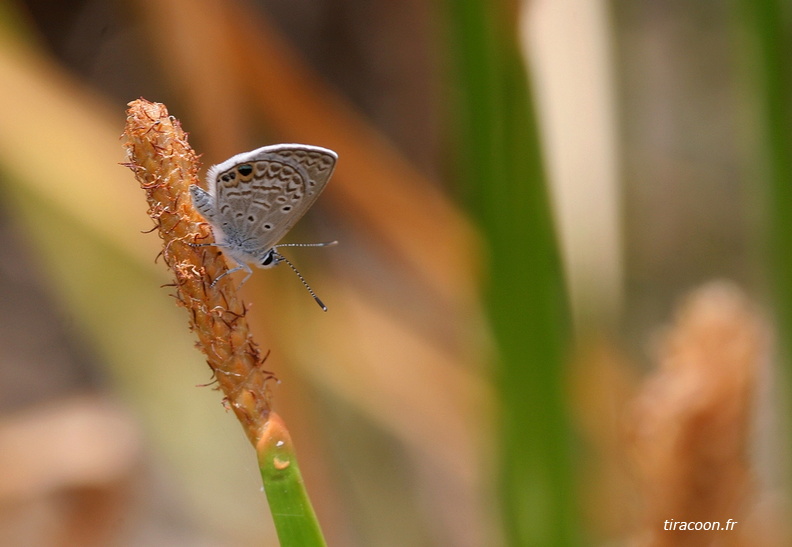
[258,196]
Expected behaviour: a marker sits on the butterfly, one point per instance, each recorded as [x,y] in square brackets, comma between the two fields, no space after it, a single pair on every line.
[254,198]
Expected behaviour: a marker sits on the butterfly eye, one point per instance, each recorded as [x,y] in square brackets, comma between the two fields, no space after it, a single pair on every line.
[245,169]
[267,260]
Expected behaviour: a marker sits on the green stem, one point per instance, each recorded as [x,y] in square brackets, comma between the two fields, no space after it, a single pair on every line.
[295,520]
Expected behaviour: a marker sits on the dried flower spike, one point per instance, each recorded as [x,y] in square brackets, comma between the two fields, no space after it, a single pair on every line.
[166,166]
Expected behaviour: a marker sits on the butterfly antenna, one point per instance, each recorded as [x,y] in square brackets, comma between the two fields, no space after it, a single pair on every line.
[324,244]
[304,282]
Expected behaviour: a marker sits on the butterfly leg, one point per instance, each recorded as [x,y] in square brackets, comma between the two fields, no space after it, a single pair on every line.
[241,266]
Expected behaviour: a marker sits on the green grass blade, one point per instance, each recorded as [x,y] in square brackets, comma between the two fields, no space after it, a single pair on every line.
[768,29]
[504,187]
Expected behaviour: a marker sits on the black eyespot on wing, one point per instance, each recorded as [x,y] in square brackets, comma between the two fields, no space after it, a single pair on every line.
[286,208]
[245,169]
[250,218]
[268,226]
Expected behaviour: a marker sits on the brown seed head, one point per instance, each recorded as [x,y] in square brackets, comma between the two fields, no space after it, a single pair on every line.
[166,166]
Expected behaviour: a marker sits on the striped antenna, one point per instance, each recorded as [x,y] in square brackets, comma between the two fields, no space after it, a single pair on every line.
[280,257]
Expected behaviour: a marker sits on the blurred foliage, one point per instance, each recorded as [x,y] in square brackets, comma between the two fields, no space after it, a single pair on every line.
[429,406]
[766,30]
[501,171]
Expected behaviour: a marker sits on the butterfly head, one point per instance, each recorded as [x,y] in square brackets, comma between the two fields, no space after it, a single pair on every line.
[270,259]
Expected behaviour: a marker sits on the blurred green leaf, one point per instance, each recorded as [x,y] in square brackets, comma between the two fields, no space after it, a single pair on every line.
[766,53]
[504,187]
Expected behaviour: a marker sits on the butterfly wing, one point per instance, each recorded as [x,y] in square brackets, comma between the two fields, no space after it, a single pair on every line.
[260,195]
